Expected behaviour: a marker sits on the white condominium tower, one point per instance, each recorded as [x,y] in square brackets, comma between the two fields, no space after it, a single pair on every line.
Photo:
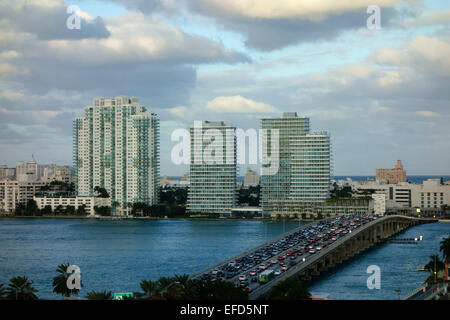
[304,166]
[213,172]
[116,147]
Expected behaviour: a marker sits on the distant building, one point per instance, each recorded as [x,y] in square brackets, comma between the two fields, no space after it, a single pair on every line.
[14,192]
[428,196]
[212,187]
[7,173]
[251,178]
[116,147]
[396,175]
[304,173]
[76,202]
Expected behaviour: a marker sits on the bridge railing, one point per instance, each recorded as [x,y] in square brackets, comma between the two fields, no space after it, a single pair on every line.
[323,254]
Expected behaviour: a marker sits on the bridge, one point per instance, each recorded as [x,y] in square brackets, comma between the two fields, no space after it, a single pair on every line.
[345,247]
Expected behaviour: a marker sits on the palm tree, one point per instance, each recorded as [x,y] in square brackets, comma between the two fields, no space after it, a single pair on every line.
[60,282]
[99,295]
[290,289]
[150,288]
[20,288]
[445,248]
[2,291]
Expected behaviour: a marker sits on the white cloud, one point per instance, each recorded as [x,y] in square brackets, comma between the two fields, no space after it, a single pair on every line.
[423,53]
[238,104]
[179,111]
[305,9]
[428,114]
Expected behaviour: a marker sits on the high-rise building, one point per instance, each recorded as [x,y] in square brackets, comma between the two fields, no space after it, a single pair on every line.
[213,168]
[303,175]
[116,147]
[396,175]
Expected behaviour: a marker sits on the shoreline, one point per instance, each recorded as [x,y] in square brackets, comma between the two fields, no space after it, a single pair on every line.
[153,218]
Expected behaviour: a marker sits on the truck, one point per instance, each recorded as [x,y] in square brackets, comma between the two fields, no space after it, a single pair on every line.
[266,276]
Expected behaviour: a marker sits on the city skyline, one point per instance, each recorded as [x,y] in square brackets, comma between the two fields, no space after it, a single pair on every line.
[370,89]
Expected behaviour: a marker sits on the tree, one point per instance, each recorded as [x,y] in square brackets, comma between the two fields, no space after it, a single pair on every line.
[435,264]
[81,211]
[70,210]
[59,210]
[99,295]
[290,289]
[103,210]
[60,282]
[445,248]
[2,291]
[20,209]
[20,288]
[47,210]
[101,192]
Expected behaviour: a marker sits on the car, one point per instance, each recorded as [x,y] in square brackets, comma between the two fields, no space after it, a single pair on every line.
[277,273]
[242,277]
[244,284]
[312,251]
[214,272]
[284,268]
[252,273]
[254,279]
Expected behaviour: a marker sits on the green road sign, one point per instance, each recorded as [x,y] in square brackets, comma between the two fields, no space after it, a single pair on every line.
[122,296]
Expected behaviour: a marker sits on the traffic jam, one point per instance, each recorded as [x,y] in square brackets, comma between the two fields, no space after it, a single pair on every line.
[266,263]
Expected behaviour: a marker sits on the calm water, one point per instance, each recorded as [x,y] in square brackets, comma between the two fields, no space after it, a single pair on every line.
[117,255]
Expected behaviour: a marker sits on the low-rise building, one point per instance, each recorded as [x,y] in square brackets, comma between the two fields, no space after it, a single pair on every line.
[430,195]
[14,192]
[76,202]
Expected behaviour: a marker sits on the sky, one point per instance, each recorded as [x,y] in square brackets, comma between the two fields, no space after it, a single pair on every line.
[382,94]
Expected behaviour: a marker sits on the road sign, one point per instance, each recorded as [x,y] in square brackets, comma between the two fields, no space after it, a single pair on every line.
[123,296]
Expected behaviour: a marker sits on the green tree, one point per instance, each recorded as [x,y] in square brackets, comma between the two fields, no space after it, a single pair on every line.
[435,264]
[150,288]
[103,210]
[60,282]
[20,209]
[81,211]
[70,210]
[99,295]
[47,210]
[20,288]
[101,192]
[445,249]
[290,289]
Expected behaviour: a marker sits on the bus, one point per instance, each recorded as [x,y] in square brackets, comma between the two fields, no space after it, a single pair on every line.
[266,276]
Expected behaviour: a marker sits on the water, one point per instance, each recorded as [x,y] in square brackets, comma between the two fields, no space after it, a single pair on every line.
[117,255]
[398,264]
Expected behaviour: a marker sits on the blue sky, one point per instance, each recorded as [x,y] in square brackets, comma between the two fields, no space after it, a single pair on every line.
[382,94]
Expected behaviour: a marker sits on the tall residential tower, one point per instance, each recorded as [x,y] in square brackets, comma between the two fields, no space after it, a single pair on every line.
[303,176]
[213,170]
[116,147]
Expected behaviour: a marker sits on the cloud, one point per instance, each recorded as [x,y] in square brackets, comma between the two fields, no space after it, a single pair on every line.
[427,114]
[179,111]
[270,25]
[238,104]
[430,18]
[424,54]
[47,20]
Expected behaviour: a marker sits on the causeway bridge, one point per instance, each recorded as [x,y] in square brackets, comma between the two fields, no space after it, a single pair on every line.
[345,247]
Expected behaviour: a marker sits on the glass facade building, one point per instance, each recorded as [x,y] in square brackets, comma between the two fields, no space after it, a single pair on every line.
[303,176]
[213,168]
